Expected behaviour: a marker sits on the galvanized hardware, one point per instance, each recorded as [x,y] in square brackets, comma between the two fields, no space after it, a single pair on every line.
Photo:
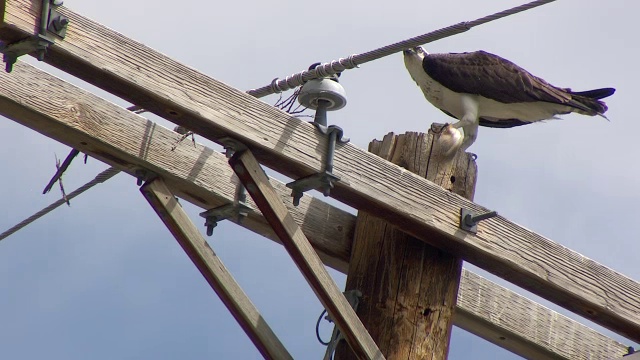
[323,95]
[57,23]
[12,52]
[51,23]
[238,209]
[353,297]
[232,146]
[325,180]
[144,175]
[325,90]
[469,220]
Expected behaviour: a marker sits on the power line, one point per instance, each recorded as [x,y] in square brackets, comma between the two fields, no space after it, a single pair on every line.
[336,66]
[102,177]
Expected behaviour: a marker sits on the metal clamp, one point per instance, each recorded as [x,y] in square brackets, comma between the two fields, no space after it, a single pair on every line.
[469,220]
[144,175]
[325,180]
[231,146]
[239,207]
[51,23]
[353,297]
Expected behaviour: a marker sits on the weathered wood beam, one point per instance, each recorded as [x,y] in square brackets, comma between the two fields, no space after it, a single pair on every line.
[211,267]
[525,327]
[202,176]
[214,110]
[257,183]
[409,287]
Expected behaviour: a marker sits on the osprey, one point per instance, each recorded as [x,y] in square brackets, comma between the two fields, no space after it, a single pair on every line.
[479,88]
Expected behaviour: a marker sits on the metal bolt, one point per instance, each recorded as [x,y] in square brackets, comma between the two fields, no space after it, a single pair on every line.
[326,189]
[210,228]
[297,195]
[469,220]
[473,220]
[9,60]
[59,23]
[141,176]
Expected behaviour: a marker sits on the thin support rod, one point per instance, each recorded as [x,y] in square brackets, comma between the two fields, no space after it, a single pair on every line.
[44,18]
[211,267]
[336,66]
[333,138]
[321,112]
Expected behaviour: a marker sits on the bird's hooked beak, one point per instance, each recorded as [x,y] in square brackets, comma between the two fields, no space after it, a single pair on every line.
[409,51]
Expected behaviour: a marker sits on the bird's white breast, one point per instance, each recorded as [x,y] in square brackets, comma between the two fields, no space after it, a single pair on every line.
[433,91]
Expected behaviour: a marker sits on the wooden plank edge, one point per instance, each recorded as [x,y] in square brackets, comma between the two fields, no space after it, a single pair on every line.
[525,327]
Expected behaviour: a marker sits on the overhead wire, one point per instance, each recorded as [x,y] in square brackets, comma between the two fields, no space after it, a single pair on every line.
[100,178]
[353,61]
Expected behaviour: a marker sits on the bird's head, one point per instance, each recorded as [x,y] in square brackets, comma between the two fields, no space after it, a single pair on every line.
[417,51]
[413,58]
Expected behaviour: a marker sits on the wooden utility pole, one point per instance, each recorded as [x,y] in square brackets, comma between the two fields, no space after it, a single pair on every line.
[409,287]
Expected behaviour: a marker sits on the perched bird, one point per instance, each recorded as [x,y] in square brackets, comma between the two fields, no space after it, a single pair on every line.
[483,89]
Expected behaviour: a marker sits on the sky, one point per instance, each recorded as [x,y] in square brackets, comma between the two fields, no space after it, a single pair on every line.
[104,278]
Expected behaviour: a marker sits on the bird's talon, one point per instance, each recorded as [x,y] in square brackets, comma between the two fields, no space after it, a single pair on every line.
[438,128]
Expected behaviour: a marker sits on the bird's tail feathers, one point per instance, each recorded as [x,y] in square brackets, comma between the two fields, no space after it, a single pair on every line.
[589,101]
[596,93]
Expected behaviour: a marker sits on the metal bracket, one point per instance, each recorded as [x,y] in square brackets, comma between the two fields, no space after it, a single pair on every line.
[144,175]
[56,22]
[353,297]
[224,212]
[51,23]
[324,180]
[239,207]
[469,220]
[231,146]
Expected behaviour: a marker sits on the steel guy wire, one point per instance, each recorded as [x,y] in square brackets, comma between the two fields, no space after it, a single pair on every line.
[100,178]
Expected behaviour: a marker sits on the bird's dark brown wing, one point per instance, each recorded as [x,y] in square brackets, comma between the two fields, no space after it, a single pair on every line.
[493,77]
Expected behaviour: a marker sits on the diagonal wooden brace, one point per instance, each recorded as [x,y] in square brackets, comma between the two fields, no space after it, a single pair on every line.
[257,184]
[213,270]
